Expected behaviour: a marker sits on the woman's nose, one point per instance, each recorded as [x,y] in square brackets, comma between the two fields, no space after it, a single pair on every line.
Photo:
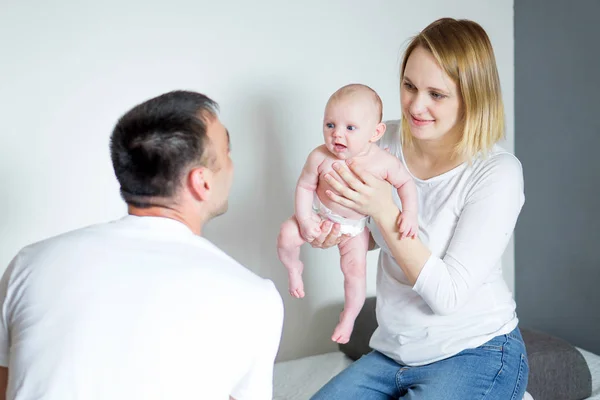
[418,105]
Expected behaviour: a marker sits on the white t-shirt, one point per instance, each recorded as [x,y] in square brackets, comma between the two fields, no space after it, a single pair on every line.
[139,308]
[460,299]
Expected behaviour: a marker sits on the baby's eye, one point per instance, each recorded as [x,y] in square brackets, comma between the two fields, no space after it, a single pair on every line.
[351,127]
[329,125]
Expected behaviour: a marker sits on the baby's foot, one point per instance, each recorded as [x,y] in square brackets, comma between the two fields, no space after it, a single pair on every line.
[296,286]
[343,331]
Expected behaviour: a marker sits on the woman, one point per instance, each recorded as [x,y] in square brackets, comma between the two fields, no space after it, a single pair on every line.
[447,322]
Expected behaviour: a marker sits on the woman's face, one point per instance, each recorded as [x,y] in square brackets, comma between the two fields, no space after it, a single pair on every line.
[430,99]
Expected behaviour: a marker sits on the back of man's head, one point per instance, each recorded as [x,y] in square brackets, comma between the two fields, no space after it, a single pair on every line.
[155,143]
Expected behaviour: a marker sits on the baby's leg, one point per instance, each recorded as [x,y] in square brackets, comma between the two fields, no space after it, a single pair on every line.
[354,264]
[289,242]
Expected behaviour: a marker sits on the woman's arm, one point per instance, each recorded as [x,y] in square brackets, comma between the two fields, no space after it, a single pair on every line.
[480,237]
[373,196]
[410,253]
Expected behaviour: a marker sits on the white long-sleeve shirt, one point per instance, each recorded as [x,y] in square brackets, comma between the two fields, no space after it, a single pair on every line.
[460,299]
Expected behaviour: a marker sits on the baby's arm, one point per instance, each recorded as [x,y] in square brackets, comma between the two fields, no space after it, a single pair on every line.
[305,191]
[398,176]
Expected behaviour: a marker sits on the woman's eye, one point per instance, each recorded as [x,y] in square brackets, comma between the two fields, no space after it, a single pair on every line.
[437,96]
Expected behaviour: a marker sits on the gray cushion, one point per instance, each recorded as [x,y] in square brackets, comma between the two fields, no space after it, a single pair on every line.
[556,369]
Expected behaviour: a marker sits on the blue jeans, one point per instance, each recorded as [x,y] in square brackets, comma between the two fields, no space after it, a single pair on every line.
[497,369]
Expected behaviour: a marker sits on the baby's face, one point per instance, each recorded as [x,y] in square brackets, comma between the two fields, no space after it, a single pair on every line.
[348,126]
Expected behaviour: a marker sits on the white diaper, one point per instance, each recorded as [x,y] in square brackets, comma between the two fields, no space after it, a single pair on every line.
[348,226]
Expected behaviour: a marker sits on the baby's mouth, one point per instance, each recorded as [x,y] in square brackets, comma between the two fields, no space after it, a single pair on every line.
[339,147]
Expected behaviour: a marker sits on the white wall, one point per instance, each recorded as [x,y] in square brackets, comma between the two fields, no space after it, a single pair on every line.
[68,70]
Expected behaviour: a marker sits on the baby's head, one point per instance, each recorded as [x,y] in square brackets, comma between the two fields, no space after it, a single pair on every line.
[352,121]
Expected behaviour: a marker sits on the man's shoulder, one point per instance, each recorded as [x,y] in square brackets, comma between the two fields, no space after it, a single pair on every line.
[238,277]
[192,256]
[253,297]
[254,286]
[62,238]
[48,250]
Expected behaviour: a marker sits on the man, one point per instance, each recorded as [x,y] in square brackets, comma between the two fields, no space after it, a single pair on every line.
[144,307]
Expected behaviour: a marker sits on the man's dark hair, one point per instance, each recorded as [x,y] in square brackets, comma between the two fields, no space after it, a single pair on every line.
[156,142]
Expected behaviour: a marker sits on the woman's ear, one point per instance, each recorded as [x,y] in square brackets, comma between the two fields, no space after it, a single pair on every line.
[379,131]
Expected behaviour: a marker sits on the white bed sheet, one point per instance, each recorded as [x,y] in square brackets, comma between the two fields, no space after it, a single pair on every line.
[299,379]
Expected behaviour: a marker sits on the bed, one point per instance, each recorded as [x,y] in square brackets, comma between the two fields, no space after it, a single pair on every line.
[300,379]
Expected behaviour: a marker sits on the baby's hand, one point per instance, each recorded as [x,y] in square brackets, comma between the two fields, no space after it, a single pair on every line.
[408,224]
[310,227]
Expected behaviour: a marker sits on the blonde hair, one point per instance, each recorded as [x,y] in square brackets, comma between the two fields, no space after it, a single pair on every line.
[358,88]
[463,50]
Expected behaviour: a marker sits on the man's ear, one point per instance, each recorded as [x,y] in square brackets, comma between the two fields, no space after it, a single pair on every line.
[199,182]
[379,131]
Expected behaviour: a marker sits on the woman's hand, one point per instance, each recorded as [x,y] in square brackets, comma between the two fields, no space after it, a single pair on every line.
[365,193]
[330,236]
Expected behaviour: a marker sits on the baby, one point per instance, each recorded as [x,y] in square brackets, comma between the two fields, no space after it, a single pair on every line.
[351,127]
